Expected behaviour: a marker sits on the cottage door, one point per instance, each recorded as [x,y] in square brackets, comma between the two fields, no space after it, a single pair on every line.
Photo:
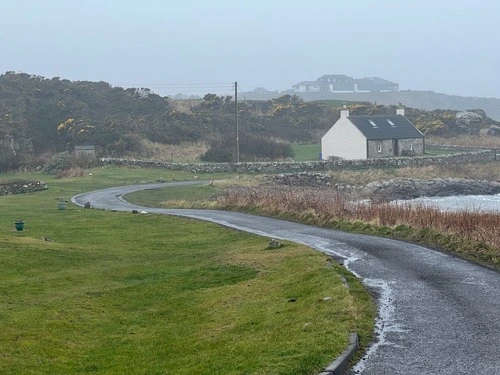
[395,147]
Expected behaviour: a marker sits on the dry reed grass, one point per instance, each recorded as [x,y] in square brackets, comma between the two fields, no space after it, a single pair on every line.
[466,140]
[184,152]
[72,172]
[324,207]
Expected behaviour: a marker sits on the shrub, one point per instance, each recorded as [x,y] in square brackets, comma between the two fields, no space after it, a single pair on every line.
[64,161]
[252,148]
[58,162]
[218,155]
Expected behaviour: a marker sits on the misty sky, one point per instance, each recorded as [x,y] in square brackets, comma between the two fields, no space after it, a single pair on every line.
[442,45]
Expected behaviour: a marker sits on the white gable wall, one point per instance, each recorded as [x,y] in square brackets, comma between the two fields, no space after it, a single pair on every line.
[343,140]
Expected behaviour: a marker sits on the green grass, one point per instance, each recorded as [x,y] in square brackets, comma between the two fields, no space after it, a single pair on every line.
[306,152]
[201,196]
[87,291]
[311,152]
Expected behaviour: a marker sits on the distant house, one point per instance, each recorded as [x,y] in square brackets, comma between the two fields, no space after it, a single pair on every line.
[307,86]
[370,137]
[371,84]
[340,83]
[336,83]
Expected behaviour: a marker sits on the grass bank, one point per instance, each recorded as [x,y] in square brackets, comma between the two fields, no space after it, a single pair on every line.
[471,235]
[87,291]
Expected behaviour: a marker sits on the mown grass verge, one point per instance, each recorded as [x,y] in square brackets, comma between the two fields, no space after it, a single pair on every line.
[471,235]
[87,291]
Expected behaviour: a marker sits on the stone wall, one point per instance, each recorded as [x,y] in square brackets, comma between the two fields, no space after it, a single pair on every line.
[430,146]
[476,156]
[22,187]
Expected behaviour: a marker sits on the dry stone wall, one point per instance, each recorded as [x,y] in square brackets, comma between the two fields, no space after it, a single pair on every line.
[22,187]
[476,156]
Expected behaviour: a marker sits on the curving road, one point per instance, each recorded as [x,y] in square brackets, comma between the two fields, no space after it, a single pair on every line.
[438,314]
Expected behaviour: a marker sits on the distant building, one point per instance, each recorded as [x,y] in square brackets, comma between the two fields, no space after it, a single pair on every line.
[371,137]
[307,86]
[372,84]
[339,83]
[336,83]
[260,90]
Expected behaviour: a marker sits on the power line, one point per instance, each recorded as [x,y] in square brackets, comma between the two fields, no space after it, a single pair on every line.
[189,85]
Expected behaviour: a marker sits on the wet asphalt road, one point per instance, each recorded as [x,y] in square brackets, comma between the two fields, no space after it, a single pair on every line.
[438,314]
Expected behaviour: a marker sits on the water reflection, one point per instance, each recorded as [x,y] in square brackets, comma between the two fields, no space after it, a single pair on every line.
[472,203]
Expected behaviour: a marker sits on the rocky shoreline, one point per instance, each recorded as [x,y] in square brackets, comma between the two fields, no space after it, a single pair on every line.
[394,189]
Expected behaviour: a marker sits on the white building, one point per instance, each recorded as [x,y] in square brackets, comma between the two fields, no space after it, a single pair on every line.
[373,136]
[307,86]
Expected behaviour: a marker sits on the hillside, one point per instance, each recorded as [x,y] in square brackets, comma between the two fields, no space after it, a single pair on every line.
[427,100]
[40,116]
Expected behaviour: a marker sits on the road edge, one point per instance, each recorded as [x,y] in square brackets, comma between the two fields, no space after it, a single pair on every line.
[340,364]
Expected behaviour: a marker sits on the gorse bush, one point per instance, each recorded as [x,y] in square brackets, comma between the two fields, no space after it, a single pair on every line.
[59,162]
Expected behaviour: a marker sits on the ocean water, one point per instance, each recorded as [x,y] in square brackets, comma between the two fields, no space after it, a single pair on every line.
[473,203]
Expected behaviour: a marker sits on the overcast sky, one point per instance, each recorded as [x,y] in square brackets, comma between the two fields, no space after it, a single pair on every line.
[447,46]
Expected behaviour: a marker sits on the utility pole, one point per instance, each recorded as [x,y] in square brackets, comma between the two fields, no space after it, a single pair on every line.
[236,121]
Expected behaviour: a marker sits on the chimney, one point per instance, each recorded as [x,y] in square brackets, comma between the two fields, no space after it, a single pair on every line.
[344,113]
[400,111]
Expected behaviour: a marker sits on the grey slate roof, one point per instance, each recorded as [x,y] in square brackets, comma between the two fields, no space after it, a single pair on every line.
[382,129]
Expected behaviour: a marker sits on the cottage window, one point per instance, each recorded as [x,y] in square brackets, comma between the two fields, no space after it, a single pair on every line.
[379,147]
[411,145]
[372,123]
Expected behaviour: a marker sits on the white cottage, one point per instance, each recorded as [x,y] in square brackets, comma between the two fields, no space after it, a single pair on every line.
[373,136]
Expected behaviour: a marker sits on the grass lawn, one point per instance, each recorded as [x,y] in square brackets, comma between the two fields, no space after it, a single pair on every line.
[87,291]
[201,196]
[306,152]
[432,152]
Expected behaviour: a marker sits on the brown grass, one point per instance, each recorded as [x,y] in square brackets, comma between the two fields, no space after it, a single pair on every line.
[486,171]
[466,140]
[185,152]
[473,234]
[72,172]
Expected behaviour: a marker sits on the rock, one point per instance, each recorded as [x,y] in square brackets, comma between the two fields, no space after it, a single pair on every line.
[471,122]
[398,189]
[493,130]
[468,117]
[274,244]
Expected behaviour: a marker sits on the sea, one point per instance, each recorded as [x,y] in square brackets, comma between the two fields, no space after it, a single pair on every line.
[472,203]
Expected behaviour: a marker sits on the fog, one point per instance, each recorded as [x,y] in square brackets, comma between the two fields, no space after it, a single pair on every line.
[444,46]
